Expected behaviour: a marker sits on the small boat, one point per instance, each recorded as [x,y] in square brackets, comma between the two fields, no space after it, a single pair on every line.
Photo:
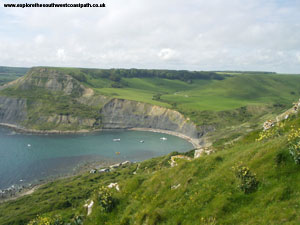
[29,145]
[117,139]
[142,141]
[118,153]
[163,138]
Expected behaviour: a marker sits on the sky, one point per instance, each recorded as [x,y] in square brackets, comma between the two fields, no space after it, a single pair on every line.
[256,35]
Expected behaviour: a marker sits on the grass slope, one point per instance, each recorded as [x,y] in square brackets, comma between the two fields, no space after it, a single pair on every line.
[208,191]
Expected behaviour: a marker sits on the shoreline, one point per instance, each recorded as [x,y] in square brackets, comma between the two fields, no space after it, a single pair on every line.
[33,131]
[31,187]
[193,141]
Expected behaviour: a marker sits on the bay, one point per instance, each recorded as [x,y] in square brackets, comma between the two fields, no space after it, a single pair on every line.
[29,158]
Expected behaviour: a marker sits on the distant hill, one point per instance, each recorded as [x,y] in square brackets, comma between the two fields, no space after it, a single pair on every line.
[8,74]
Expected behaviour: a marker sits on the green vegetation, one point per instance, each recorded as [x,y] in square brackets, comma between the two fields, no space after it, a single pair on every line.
[230,102]
[8,74]
[206,190]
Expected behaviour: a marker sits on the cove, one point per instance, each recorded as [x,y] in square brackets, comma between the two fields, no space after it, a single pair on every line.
[29,158]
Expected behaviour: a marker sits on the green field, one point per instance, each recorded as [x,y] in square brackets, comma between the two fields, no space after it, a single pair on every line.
[234,91]
[8,74]
[208,189]
[223,99]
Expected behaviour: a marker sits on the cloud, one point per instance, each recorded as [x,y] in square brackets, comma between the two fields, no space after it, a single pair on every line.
[194,35]
[61,55]
[167,54]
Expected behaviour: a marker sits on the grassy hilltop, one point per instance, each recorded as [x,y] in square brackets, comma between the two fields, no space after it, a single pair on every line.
[247,182]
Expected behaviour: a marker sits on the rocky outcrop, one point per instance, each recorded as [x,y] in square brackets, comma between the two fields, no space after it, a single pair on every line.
[49,79]
[12,110]
[125,114]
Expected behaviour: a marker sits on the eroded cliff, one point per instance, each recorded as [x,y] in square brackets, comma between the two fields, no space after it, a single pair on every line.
[124,114]
[12,110]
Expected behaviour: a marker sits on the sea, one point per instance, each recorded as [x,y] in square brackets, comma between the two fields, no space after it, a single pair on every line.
[26,159]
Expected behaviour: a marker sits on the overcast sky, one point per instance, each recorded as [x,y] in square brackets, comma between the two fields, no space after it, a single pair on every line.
[168,34]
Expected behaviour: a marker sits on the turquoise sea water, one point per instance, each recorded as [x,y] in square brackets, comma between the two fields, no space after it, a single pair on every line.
[26,158]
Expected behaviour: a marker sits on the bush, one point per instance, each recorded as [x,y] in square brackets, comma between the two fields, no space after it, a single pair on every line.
[294,144]
[294,150]
[248,180]
[105,199]
[44,220]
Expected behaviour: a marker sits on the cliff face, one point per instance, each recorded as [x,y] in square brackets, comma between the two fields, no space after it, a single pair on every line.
[123,114]
[12,110]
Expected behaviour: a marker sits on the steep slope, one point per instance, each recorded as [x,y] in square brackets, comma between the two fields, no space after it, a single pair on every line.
[12,110]
[119,113]
[207,190]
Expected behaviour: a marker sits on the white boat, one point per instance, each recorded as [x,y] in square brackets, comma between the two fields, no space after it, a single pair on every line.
[163,138]
[142,141]
[117,139]
[29,145]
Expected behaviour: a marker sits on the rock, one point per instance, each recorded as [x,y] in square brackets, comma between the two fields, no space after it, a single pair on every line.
[115,166]
[173,162]
[93,171]
[124,114]
[105,170]
[89,206]
[175,186]
[12,110]
[125,163]
[198,153]
[268,124]
[112,185]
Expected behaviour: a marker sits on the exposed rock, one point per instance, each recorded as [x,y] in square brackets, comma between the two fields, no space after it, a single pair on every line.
[174,187]
[93,171]
[124,114]
[125,163]
[173,162]
[105,170]
[198,153]
[12,110]
[268,124]
[114,185]
[89,205]
[115,166]
[50,79]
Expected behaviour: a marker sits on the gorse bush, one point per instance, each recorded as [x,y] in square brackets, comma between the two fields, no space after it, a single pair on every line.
[45,220]
[273,132]
[294,144]
[105,199]
[248,180]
